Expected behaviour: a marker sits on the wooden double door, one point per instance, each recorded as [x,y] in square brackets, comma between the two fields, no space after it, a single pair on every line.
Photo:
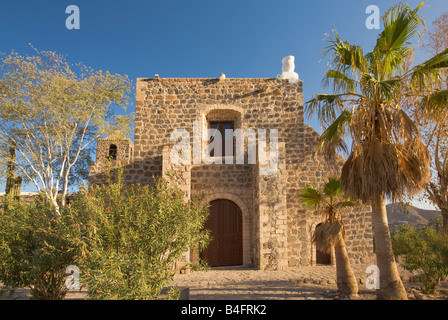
[225,225]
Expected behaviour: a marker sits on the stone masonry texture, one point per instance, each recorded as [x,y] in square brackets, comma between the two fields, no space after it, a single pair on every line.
[276,228]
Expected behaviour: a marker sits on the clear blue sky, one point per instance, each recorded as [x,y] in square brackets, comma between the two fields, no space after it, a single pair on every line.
[195,38]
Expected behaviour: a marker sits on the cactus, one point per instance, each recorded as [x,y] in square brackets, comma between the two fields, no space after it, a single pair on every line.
[13,182]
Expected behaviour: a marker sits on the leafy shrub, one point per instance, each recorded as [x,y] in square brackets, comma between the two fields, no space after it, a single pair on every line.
[36,247]
[134,234]
[424,250]
[123,239]
[200,265]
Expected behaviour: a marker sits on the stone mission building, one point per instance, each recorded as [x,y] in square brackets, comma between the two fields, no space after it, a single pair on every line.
[256,218]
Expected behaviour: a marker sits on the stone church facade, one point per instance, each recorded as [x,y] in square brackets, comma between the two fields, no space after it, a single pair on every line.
[256,217]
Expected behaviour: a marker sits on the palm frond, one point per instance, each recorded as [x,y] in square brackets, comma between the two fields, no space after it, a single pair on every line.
[404,128]
[428,71]
[332,139]
[435,103]
[369,85]
[324,106]
[370,169]
[390,168]
[345,57]
[326,234]
[414,173]
[378,90]
[386,154]
[310,197]
[346,204]
[332,187]
[341,82]
[401,25]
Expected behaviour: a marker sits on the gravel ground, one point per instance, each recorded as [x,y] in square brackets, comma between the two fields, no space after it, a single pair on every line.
[238,283]
[305,283]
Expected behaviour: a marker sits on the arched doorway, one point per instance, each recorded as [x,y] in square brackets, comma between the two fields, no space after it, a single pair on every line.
[225,225]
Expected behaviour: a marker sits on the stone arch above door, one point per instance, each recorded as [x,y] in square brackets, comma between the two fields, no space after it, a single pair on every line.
[221,112]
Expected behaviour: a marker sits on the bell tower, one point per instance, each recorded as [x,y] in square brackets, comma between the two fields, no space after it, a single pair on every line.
[116,148]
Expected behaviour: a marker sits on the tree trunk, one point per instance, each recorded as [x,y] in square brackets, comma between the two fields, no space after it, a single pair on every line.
[346,279]
[445,222]
[391,286]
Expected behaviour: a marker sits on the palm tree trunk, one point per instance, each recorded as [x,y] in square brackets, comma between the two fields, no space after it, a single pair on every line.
[346,279]
[391,286]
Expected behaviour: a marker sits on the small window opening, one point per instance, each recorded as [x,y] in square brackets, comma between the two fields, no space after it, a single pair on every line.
[221,126]
[113,152]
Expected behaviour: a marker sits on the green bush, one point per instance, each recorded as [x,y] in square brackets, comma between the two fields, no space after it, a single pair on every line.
[36,247]
[123,239]
[134,234]
[424,250]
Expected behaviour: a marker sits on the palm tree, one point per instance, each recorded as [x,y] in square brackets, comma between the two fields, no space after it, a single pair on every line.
[331,232]
[387,157]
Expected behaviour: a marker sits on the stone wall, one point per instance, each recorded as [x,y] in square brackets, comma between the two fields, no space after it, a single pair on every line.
[180,175]
[276,229]
[233,182]
[177,174]
[271,217]
[163,105]
[124,157]
[304,165]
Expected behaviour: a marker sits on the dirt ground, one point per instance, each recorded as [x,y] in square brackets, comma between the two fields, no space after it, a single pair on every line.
[305,283]
[238,283]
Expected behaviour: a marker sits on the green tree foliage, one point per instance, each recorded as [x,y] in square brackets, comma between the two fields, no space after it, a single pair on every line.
[387,157]
[431,115]
[133,236]
[123,239]
[425,251]
[36,247]
[51,112]
[331,232]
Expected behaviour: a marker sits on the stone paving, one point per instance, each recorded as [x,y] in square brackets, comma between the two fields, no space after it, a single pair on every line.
[240,283]
[237,283]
